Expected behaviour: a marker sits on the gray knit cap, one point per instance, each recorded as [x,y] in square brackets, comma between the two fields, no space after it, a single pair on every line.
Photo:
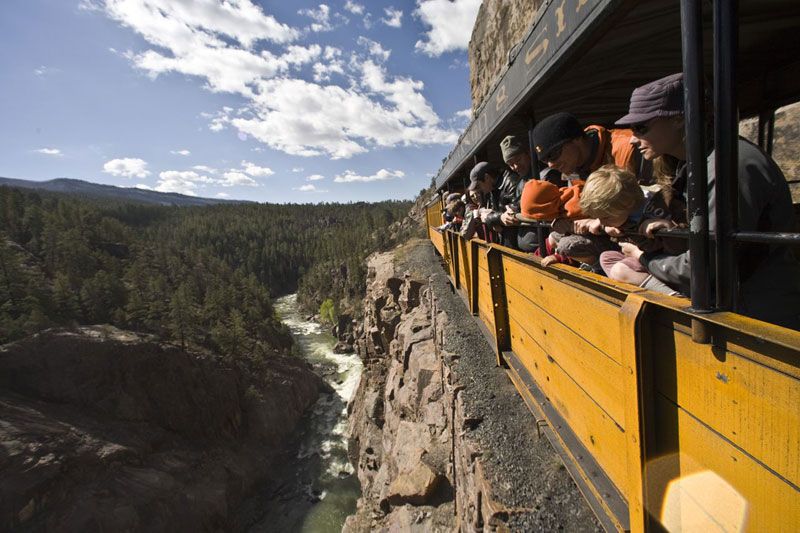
[511,146]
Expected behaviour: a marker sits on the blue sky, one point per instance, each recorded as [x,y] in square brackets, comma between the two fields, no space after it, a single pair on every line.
[260,100]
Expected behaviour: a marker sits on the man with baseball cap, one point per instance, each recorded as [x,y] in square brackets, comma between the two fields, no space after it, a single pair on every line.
[564,145]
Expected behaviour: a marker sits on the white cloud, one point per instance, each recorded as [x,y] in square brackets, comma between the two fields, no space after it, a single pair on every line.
[234,178]
[350,176]
[354,8]
[180,152]
[321,17]
[49,151]
[297,169]
[394,17]
[315,177]
[450,23]
[255,170]
[43,71]
[367,21]
[464,113]
[308,188]
[296,116]
[223,195]
[143,186]
[166,22]
[205,168]
[374,48]
[127,167]
[183,182]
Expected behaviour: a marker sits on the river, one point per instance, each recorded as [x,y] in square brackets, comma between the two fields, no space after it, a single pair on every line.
[316,488]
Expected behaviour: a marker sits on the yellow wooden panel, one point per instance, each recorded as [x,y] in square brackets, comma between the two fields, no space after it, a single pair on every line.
[755,407]
[438,241]
[485,305]
[569,305]
[595,429]
[721,488]
[465,266]
[483,260]
[593,371]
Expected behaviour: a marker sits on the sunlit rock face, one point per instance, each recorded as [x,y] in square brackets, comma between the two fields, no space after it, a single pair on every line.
[501,25]
[104,429]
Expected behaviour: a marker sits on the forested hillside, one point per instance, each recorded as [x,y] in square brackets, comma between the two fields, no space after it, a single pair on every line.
[194,275]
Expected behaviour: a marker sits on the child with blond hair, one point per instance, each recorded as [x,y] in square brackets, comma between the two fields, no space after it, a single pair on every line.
[621,207]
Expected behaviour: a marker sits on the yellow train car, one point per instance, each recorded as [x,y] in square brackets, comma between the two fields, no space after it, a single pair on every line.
[666,417]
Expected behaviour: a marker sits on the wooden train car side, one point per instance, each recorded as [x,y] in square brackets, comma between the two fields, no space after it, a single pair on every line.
[655,427]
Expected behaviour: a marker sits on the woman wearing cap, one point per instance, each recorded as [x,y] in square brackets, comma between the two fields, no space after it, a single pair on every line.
[769,276]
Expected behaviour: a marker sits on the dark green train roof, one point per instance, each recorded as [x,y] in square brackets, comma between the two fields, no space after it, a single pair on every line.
[586,56]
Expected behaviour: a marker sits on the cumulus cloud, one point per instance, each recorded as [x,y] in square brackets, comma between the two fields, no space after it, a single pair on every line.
[234,178]
[308,188]
[180,152]
[127,167]
[49,151]
[183,182]
[315,177]
[394,17]
[449,22]
[374,48]
[44,70]
[321,17]
[297,169]
[205,168]
[354,8]
[350,176]
[214,41]
[255,170]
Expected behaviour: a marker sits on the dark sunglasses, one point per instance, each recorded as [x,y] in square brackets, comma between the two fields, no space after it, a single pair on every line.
[552,155]
[641,129]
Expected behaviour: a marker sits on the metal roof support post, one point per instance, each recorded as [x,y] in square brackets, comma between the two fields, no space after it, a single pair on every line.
[726,153]
[692,46]
[540,234]
[766,130]
[770,132]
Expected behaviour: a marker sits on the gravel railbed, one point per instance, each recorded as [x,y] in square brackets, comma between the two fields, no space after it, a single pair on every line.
[524,470]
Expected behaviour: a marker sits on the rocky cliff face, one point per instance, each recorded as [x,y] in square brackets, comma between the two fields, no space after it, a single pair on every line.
[103,430]
[500,27]
[439,437]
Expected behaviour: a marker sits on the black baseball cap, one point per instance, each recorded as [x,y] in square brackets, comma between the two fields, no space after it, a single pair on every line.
[478,173]
[554,131]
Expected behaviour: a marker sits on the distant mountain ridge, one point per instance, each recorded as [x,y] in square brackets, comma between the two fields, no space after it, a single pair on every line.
[125,194]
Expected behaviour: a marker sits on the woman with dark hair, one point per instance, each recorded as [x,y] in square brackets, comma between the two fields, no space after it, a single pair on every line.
[769,275]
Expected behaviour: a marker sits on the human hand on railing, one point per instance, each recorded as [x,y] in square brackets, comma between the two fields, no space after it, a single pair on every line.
[630,250]
[651,225]
[549,260]
[508,218]
[612,231]
[587,225]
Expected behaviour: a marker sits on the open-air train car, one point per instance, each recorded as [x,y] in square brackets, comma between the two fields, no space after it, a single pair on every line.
[668,416]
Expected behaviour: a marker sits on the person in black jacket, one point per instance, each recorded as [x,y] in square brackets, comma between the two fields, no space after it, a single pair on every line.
[769,275]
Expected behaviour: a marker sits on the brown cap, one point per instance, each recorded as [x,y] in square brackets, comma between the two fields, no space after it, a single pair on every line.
[660,98]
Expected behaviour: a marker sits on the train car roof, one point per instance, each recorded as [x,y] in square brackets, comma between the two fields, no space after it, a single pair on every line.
[586,56]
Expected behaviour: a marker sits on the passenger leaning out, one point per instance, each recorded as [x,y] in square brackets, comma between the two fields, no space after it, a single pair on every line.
[625,208]
[769,275]
[544,202]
